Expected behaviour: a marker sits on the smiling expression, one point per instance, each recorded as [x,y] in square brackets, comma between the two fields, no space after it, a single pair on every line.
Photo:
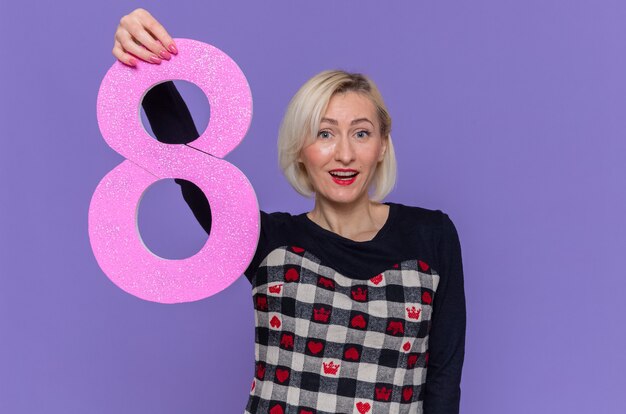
[342,159]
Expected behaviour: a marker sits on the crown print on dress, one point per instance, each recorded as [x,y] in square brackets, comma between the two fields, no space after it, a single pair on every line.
[321,314]
[413,313]
[330,368]
[383,393]
[359,294]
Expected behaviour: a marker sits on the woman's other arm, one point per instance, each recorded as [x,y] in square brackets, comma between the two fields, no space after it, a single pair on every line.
[447,334]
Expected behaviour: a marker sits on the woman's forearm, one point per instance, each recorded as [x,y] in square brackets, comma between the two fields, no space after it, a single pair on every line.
[172,123]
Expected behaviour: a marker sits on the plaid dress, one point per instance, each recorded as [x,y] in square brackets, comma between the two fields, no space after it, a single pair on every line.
[336,338]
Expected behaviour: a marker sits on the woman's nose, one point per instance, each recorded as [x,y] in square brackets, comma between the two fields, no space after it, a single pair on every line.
[344,151]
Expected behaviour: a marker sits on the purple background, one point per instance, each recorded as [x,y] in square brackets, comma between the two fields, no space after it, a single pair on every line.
[509,116]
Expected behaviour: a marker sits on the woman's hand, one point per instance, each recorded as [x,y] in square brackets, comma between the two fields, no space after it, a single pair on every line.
[139,35]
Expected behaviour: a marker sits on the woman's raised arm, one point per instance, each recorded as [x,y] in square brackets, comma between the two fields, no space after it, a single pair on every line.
[140,35]
[172,123]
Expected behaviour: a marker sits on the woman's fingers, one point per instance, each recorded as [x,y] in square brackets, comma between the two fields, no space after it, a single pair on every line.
[131,31]
[141,36]
[129,45]
[157,30]
[125,58]
[150,43]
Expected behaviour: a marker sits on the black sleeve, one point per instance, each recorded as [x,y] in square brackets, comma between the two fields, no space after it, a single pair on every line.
[171,123]
[447,333]
[266,222]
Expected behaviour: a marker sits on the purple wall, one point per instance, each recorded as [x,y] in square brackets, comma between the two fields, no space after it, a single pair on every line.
[509,116]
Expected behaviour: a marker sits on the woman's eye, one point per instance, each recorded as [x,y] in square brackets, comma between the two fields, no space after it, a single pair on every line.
[323,134]
[363,134]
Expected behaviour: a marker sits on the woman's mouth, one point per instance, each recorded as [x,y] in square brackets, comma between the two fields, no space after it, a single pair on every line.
[344,177]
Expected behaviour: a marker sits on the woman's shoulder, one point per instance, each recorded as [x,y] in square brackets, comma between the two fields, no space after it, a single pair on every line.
[433,221]
[428,227]
[420,215]
[278,219]
[277,216]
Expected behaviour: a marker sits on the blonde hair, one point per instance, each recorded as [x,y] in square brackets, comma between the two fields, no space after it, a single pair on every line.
[302,119]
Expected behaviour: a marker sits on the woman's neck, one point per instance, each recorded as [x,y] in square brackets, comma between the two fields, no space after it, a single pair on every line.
[359,221]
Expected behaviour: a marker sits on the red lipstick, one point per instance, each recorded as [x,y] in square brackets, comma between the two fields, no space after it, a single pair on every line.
[343,176]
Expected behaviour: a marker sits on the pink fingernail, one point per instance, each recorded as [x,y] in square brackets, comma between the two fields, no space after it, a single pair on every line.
[173,49]
[165,55]
[155,59]
[132,62]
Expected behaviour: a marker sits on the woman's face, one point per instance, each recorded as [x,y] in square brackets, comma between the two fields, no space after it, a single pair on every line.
[342,159]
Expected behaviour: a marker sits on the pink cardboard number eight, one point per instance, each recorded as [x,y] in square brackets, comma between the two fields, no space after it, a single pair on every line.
[113,232]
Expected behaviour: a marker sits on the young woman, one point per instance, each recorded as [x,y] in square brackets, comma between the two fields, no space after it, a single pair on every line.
[359,305]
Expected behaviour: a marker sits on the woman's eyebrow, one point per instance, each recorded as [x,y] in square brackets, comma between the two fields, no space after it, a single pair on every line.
[356,121]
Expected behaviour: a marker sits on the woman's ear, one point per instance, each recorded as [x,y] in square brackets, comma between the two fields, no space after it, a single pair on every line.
[383,148]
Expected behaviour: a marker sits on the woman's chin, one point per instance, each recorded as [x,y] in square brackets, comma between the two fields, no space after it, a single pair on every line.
[342,196]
